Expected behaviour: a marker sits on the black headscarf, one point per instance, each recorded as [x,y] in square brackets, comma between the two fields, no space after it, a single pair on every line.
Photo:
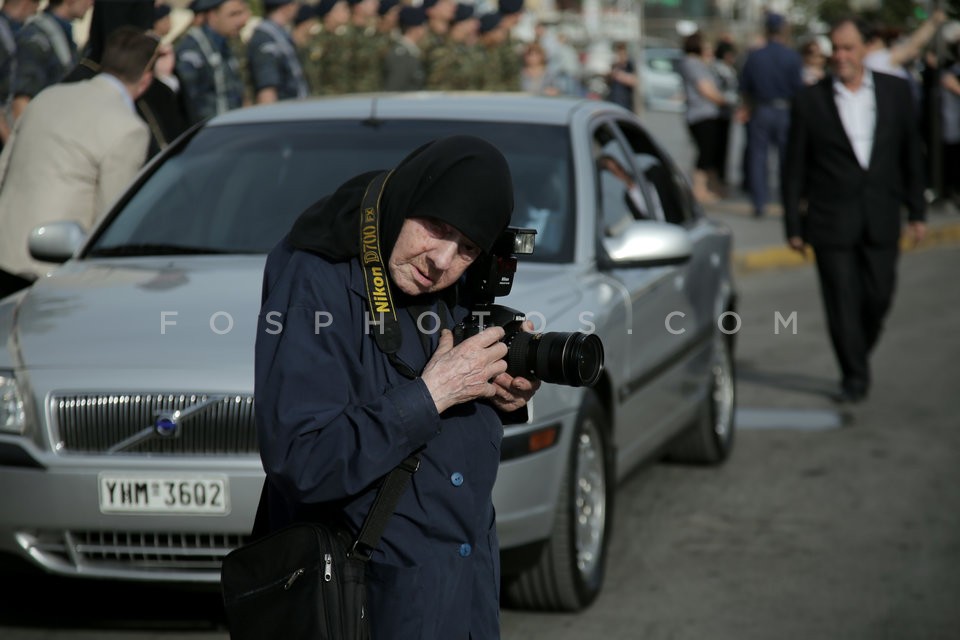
[461,180]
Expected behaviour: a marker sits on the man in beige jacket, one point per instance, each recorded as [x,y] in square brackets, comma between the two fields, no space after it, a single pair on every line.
[74,149]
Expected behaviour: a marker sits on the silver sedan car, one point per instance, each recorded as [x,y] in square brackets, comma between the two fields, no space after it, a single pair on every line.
[128,448]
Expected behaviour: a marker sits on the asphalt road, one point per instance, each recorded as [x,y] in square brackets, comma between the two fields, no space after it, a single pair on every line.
[824,523]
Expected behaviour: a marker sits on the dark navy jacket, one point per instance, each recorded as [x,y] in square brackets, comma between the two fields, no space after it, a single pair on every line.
[334,416]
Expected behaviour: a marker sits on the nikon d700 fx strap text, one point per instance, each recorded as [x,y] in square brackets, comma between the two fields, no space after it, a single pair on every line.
[383,312]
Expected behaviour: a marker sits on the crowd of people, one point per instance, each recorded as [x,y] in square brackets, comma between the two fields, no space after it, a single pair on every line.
[757,87]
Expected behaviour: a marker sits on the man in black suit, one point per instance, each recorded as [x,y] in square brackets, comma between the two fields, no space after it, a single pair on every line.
[853,161]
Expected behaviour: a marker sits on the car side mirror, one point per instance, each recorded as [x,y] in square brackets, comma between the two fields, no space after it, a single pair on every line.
[56,241]
[647,243]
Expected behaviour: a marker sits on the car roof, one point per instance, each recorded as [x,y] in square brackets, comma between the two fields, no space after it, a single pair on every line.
[487,107]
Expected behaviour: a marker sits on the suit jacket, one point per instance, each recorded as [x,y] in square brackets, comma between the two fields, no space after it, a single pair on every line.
[845,203]
[73,151]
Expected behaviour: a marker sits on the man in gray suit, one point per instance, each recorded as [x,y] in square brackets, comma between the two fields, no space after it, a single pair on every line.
[75,148]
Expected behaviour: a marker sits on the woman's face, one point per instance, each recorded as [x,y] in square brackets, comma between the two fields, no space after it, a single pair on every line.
[429,256]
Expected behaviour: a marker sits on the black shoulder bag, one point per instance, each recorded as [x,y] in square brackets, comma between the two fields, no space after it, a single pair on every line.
[306,581]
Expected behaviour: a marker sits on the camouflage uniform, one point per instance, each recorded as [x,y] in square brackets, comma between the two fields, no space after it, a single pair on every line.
[328,63]
[239,51]
[455,66]
[366,68]
[209,74]
[509,64]
[428,44]
[45,54]
[273,62]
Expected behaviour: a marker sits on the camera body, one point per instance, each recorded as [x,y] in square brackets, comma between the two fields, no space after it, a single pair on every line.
[574,359]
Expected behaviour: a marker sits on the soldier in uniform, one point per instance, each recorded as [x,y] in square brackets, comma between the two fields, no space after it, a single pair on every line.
[403,65]
[328,60]
[12,16]
[492,36]
[508,56]
[439,15]
[304,28]
[387,25]
[457,64]
[209,73]
[46,51]
[366,48]
[272,56]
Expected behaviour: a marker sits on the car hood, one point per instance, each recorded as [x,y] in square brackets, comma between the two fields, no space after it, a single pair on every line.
[162,313]
[142,313]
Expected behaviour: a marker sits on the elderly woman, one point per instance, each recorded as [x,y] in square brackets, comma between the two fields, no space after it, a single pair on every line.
[340,403]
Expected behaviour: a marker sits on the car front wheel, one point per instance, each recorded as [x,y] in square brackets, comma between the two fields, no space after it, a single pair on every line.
[569,573]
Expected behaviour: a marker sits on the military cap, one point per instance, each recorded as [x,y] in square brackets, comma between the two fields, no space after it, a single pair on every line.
[386,5]
[508,7]
[271,4]
[411,17]
[426,4]
[202,6]
[304,13]
[324,7]
[489,22]
[353,2]
[464,12]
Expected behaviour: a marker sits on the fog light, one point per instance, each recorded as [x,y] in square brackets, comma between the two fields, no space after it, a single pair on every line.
[12,419]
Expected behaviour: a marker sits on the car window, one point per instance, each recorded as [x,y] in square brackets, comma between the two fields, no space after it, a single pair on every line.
[238,188]
[666,182]
[623,198]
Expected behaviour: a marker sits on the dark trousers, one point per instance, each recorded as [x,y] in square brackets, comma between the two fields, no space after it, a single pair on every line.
[767,126]
[857,286]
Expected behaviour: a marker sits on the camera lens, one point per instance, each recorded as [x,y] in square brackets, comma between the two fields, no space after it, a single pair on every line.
[574,359]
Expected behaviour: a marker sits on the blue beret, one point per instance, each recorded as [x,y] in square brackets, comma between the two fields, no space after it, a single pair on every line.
[386,5]
[489,22]
[324,7]
[353,2]
[426,4]
[464,12]
[510,6]
[271,4]
[201,6]
[411,17]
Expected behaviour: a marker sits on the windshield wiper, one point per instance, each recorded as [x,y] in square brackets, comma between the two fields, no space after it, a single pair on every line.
[153,250]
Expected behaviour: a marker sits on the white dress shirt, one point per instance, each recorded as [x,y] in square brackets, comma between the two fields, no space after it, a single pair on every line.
[858,113]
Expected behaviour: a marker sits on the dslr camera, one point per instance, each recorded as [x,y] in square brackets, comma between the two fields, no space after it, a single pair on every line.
[574,359]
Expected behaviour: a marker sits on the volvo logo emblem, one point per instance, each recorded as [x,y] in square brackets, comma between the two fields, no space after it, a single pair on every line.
[166,425]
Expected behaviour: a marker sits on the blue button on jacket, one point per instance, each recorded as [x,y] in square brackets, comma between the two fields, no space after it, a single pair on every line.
[334,416]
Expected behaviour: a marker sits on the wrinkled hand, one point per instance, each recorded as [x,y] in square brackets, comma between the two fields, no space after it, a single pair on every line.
[512,393]
[458,374]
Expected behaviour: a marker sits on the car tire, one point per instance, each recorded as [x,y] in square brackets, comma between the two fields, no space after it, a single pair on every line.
[709,440]
[569,573]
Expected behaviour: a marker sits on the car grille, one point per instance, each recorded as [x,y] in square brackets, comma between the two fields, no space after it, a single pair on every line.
[99,423]
[197,554]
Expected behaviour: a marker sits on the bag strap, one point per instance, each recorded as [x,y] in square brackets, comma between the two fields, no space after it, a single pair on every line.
[383,507]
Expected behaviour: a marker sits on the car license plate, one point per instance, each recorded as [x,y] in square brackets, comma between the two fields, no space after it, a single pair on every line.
[207,494]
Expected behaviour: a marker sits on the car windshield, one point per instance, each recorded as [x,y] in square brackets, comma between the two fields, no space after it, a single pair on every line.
[238,188]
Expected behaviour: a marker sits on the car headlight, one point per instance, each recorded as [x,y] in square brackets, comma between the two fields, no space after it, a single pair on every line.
[12,418]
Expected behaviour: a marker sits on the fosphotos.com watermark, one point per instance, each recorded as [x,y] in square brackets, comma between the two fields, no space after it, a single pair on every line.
[429,322]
